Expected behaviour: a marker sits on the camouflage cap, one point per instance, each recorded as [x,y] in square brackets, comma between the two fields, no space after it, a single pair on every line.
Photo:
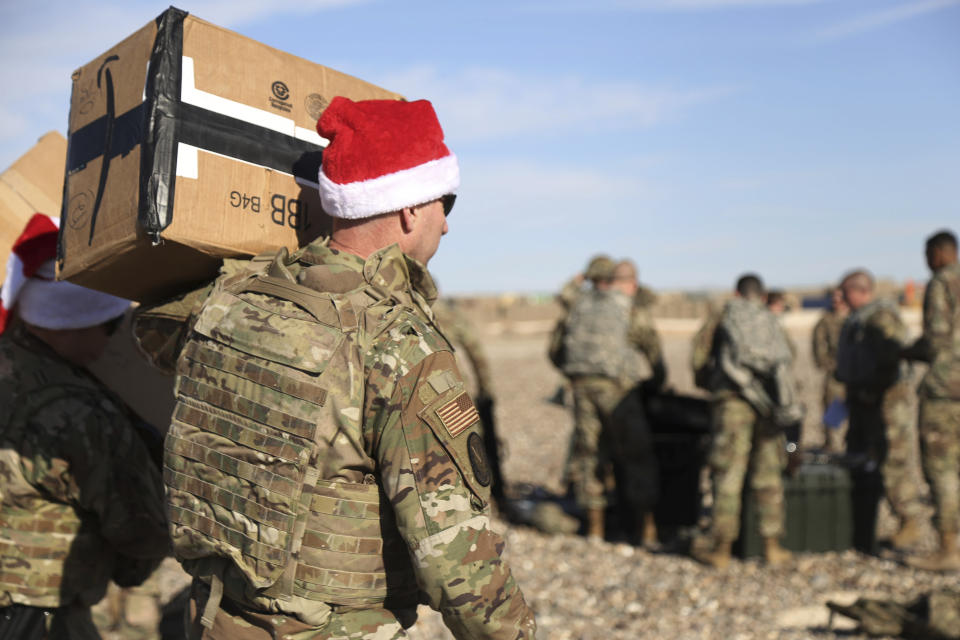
[600,267]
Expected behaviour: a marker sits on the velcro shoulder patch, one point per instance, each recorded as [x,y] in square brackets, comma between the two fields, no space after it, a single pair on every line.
[458,414]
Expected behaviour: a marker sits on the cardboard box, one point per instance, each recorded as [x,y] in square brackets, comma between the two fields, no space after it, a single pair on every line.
[32,184]
[189,143]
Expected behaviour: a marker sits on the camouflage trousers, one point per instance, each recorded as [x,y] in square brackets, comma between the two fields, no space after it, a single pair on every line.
[610,431]
[939,428]
[881,427]
[345,623]
[743,440]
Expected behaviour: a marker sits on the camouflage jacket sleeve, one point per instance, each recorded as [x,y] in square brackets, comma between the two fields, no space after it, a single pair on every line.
[885,335]
[820,343]
[433,471]
[87,453]
[938,314]
[643,336]
[568,294]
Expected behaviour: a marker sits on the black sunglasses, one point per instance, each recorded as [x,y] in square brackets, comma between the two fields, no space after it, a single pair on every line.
[448,201]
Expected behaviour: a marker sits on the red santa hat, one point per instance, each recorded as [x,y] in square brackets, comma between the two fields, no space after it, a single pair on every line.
[383,155]
[41,300]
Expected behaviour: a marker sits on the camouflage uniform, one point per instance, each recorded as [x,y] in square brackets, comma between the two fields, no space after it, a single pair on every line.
[701,350]
[81,501]
[940,395]
[324,467]
[743,436]
[606,330]
[826,336]
[878,398]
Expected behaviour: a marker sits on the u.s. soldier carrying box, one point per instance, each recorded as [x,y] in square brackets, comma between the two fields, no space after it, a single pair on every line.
[189,143]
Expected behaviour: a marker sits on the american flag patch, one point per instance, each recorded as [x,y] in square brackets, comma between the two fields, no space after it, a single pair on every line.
[458,414]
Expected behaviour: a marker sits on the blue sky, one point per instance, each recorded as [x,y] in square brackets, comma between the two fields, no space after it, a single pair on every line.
[701,138]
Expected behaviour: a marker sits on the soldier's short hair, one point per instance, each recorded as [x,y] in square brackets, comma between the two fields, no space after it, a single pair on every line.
[858,279]
[942,239]
[776,295]
[750,285]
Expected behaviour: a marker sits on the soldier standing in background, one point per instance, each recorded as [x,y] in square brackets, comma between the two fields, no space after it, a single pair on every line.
[939,422]
[599,268]
[81,501]
[754,397]
[599,337]
[463,334]
[633,455]
[826,336]
[878,398]
[326,470]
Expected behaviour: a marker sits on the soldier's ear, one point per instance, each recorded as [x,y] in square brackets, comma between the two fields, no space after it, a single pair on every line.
[408,219]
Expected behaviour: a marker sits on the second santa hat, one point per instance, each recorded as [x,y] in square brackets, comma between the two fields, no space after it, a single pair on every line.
[383,155]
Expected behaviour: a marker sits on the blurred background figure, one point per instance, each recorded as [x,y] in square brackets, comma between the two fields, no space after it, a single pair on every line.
[826,337]
[939,419]
[597,342]
[878,395]
[458,328]
[81,501]
[753,396]
[777,301]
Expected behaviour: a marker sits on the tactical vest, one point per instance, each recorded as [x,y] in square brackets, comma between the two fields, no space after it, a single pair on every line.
[249,469]
[755,336]
[857,363]
[595,342]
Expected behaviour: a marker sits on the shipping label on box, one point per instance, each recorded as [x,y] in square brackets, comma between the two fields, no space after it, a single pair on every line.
[190,143]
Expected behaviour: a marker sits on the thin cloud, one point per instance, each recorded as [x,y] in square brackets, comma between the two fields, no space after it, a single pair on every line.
[885,18]
[486,104]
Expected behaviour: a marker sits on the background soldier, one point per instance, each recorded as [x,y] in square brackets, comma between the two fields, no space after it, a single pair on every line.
[634,459]
[878,397]
[326,467]
[826,336]
[81,500]
[752,357]
[599,336]
[939,423]
[463,334]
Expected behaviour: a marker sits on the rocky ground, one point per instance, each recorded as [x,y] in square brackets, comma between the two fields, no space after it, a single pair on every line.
[585,590]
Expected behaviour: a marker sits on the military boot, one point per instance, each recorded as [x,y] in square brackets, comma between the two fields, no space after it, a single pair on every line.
[908,535]
[717,556]
[647,528]
[595,528]
[946,559]
[773,554]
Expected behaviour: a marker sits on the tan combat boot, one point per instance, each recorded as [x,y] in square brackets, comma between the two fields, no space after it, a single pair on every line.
[648,530]
[774,554]
[946,559]
[908,535]
[717,557]
[595,528]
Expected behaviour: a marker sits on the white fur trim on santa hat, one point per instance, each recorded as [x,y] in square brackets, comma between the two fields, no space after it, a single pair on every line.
[13,282]
[51,304]
[390,192]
